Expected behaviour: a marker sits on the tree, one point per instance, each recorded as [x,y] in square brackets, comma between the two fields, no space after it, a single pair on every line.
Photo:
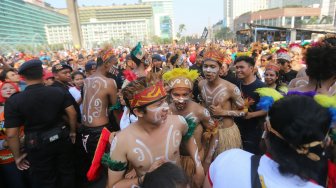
[181,29]
[313,20]
[224,33]
[326,20]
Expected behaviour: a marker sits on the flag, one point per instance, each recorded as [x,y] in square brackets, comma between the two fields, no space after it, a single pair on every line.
[205,33]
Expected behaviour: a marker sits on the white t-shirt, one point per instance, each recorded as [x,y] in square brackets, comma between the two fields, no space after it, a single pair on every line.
[262,74]
[127,118]
[232,168]
[76,94]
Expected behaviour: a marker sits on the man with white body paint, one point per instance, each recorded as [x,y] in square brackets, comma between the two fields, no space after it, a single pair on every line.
[152,140]
[221,97]
[180,82]
[99,93]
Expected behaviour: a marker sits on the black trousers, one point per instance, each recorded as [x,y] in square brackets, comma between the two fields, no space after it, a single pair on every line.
[52,165]
[12,177]
[90,137]
[251,140]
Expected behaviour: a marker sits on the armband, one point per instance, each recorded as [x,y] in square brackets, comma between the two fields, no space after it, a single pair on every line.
[191,128]
[117,106]
[112,164]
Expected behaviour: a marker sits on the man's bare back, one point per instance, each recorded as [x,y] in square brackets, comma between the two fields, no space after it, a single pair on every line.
[99,92]
[298,82]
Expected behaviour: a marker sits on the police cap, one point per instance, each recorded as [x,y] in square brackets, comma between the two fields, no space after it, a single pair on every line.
[30,64]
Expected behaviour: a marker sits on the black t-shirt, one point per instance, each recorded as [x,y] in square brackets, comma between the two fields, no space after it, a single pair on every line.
[65,89]
[287,77]
[196,92]
[230,77]
[38,107]
[248,92]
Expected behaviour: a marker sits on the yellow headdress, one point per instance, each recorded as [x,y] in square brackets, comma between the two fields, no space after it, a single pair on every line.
[248,53]
[180,77]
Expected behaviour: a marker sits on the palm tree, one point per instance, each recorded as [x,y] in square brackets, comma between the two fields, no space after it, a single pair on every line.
[326,20]
[181,29]
[313,20]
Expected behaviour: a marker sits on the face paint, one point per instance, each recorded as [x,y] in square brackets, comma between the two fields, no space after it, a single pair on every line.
[159,117]
[180,97]
[209,70]
[180,102]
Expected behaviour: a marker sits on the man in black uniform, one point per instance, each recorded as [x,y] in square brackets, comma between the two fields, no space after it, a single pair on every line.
[62,75]
[47,140]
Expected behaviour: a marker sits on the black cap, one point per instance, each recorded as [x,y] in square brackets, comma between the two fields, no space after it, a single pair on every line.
[157,57]
[30,64]
[91,65]
[60,66]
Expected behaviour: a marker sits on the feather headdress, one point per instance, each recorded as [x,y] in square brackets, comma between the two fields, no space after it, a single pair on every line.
[180,77]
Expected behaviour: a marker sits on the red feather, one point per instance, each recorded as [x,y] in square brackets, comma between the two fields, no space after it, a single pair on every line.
[282,50]
[130,75]
[294,45]
[94,171]
[331,174]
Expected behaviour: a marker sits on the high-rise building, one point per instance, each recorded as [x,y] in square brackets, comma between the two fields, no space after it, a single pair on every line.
[286,3]
[23,22]
[117,14]
[235,8]
[328,8]
[95,33]
[163,17]
[113,13]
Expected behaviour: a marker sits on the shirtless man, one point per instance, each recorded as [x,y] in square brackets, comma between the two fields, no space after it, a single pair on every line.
[180,82]
[321,73]
[221,97]
[99,93]
[300,80]
[153,139]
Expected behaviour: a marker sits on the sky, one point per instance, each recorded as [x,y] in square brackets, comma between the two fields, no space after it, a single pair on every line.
[195,14]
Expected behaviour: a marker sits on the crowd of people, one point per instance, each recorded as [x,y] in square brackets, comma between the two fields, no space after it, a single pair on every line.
[197,115]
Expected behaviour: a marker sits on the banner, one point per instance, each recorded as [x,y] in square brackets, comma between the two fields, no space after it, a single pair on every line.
[205,33]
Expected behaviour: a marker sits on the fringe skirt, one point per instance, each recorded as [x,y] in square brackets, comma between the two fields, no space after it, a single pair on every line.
[228,138]
[188,165]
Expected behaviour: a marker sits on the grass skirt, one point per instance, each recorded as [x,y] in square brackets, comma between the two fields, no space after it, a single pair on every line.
[228,138]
